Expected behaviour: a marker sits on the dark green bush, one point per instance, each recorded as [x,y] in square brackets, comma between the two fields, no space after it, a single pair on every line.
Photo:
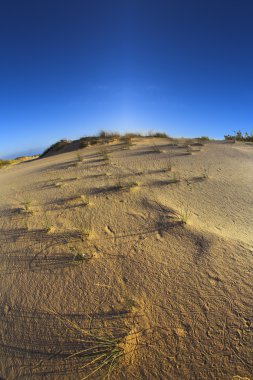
[56,147]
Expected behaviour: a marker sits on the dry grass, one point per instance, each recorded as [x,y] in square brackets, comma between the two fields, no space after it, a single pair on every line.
[48,227]
[83,227]
[100,349]
[4,163]
[156,149]
[125,185]
[104,154]
[79,157]
[26,205]
[184,212]
[79,256]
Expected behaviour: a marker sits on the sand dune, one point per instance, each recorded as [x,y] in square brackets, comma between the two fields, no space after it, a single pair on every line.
[114,265]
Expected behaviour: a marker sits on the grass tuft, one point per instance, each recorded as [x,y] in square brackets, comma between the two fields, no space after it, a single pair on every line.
[184,213]
[104,154]
[156,149]
[26,206]
[79,157]
[126,185]
[79,256]
[99,350]
[47,225]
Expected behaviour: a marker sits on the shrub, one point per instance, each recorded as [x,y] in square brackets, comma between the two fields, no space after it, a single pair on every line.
[56,147]
[109,136]
[239,136]
[157,134]
[86,141]
[5,162]
[204,138]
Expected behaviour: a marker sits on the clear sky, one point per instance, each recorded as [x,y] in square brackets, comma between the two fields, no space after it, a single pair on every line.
[69,68]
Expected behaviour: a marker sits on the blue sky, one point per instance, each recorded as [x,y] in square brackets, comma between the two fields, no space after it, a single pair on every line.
[70,68]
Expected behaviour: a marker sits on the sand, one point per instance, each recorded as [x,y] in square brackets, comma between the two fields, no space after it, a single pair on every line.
[96,250]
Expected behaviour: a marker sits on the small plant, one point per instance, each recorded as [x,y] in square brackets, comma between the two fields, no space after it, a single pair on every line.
[55,148]
[189,149]
[79,157]
[131,185]
[104,154]
[47,226]
[157,134]
[120,185]
[127,140]
[82,197]
[98,349]
[175,177]
[79,256]
[240,136]
[83,144]
[204,138]
[184,213]
[26,206]
[58,184]
[93,140]
[156,149]
[85,233]
[85,199]
[83,227]
[205,172]
[129,304]
[168,168]
[26,224]
[5,163]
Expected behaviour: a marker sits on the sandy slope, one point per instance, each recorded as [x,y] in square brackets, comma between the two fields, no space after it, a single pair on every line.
[180,297]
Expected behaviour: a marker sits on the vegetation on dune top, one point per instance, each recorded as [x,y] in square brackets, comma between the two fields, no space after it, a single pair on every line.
[104,137]
[239,136]
[56,147]
[5,162]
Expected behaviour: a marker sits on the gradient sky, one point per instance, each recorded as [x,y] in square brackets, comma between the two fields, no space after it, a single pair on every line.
[69,68]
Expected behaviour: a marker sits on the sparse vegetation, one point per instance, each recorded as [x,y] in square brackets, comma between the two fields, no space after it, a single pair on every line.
[168,167]
[175,177]
[131,185]
[129,304]
[189,149]
[127,140]
[125,185]
[104,153]
[79,256]
[240,136]
[84,142]
[83,228]
[26,205]
[101,349]
[55,148]
[156,149]
[79,157]
[104,137]
[205,172]
[5,163]
[184,212]
[58,184]
[204,138]
[84,199]
[47,225]
[107,137]
[157,134]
